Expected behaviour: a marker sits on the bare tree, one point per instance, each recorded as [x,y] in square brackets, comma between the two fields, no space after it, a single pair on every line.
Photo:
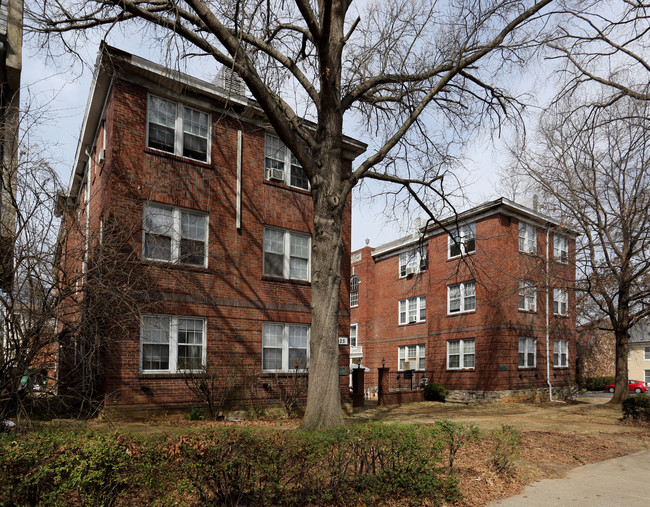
[604,43]
[417,74]
[592,167]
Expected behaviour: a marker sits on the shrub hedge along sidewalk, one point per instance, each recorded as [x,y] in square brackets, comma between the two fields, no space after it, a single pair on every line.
[229,465]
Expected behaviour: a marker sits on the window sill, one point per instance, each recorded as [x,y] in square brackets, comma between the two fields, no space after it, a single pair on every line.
[560,367]
[531,254]
[531,312]
[530,368]
[287,187]
[461,369]
[561,315]
[174,265]
[412,323]
[456,314]
[179,158]
[267,278]
[457,257]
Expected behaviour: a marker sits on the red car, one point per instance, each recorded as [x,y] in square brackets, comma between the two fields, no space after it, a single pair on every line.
[635,386]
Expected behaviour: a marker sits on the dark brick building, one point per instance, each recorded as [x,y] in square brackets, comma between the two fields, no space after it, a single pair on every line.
[183,200]
[477,303]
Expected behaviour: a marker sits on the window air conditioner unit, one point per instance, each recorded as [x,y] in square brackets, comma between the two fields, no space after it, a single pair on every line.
[410,270]
[412,319]
[407,365]
[275,174]
[101,156]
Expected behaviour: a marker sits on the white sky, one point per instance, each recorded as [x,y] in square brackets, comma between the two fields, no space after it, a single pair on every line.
[62,88]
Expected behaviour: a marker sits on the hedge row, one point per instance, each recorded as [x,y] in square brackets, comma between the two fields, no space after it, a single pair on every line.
[234,466]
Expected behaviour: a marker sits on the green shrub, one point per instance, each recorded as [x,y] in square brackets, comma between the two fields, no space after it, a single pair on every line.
[435,392]
[598,383]
[228,466]
[456,436]
[637,408]
[507,441]
[196,414]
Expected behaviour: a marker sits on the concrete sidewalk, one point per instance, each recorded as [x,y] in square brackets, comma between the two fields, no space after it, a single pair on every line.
[623,481]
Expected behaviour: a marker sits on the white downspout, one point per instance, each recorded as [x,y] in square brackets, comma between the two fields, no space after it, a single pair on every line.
[548,291]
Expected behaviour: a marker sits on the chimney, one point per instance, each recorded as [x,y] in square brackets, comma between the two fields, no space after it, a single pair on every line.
[230,81]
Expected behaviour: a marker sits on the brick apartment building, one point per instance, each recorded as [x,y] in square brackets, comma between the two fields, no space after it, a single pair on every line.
[183,199]
[477,303]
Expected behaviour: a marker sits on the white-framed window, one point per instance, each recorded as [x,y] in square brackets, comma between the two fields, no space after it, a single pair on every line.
[560,248]
[527,352]
[646,353]
[527,296]
[527,238]
[354,333]
[461,354]
[286,254]
[560,302]
[175,235]
[560,353]
[281,165]
[354,290]
[412,310]
[411,357]
[285,347]
[462,241]
[647,376]
[461,297]
[178,129]
[172,344]
[411,262]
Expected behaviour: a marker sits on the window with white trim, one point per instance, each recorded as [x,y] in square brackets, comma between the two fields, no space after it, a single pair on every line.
[527,238]
[462,241]
[354,332]
[412,310]
[411,262]
[527,352]
[175,235]
[527,296]
[461,297]
[285,347]
[411,357]
[560,248]
[354,290]
[561,353]
[286,254]
[178,129]
[172,344]
[560,302]
[647,376]
[646,353]
[281,165]
[460,354]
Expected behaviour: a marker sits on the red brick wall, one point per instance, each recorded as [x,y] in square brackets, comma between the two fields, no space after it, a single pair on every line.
[496,325]
[231,293]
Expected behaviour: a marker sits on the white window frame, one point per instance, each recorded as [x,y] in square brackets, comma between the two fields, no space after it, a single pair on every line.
[560,353]
[286,254]
[284,346]
[464,239]
[419,357]
[289,163]
[527,238]
[529,347]
[405,309]
[646,353]
[560,248]
[354,334]
[172,327]
[175,233]
[646,375]
[410,261]
[179,132]
[466,349]
[560,302]
[527,296]
[354,291]
[467,291]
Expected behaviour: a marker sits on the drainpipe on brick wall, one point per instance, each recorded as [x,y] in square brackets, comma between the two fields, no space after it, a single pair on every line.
[548,296]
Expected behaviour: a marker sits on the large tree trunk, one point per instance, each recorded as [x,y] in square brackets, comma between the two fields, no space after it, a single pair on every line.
[323,396]
[621,393]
